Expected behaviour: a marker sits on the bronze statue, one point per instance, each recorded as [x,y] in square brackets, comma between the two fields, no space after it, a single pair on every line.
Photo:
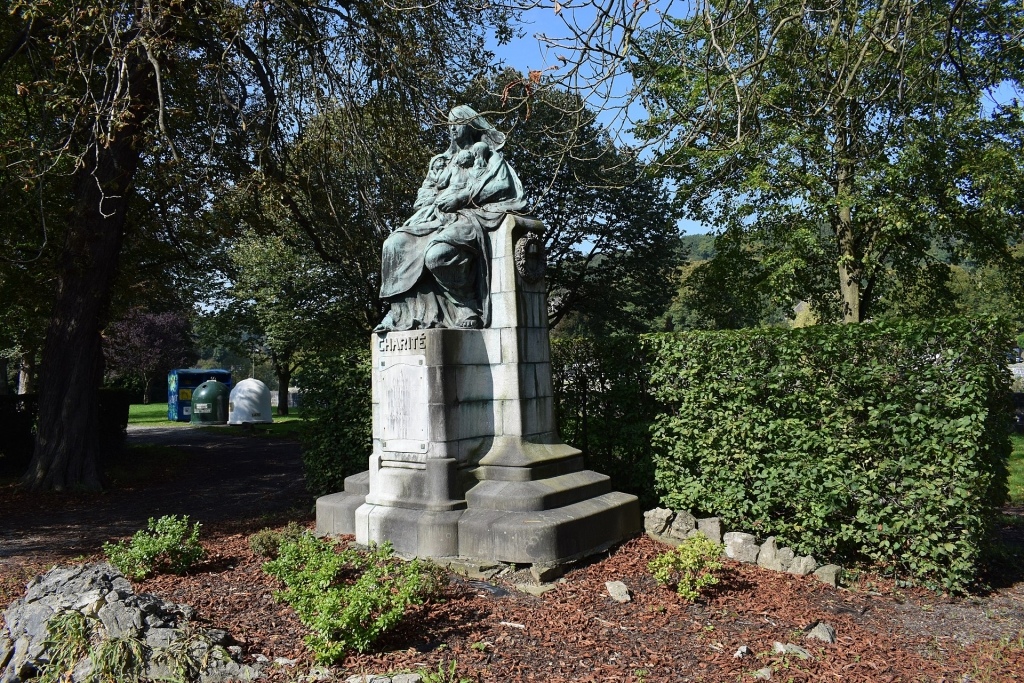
[436,267]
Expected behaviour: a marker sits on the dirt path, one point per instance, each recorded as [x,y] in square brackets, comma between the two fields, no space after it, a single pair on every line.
[227,477]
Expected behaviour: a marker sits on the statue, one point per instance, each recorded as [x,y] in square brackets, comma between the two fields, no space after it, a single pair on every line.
[435,268]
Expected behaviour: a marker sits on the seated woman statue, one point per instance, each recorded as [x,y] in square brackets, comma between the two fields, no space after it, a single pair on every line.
[435,269]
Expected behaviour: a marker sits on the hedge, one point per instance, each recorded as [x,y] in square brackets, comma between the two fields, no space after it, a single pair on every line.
[883,442]
[336,440]
[605,409]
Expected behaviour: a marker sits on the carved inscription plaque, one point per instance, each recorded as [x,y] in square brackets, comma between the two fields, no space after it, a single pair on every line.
[404,407]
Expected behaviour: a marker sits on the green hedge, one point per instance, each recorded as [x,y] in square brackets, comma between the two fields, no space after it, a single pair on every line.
[336,440]
[604,408]
[883,442]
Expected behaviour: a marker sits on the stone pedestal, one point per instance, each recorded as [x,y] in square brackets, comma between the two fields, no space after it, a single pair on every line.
[466,459]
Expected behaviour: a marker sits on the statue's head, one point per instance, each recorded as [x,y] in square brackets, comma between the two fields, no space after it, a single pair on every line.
[468,127]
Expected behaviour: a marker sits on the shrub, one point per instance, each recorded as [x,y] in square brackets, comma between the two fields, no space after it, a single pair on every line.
[604,407]
[267,541]
[690,567]
[336,441]
[877,442]
[168,543]
[347,598]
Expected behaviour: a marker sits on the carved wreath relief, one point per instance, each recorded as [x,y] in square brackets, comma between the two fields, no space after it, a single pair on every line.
[531,261]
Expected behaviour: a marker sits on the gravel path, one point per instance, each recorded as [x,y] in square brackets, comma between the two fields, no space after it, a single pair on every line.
[228,477]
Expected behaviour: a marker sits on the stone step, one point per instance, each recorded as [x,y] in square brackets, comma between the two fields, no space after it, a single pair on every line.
[549,536]
[336,512]
[541,494]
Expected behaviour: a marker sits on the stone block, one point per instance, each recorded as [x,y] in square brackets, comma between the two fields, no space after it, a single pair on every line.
[549,536]
[769,556]
[412,532]
[829,574]
[540,494]
[656,521]
[802,566]
[545,573]
[711,527]
[618,591]
[823,632]
[741,547]
[682,525]
[504,312]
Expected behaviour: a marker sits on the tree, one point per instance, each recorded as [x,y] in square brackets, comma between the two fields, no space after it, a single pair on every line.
[194,93]
[612,241]
[142,346]
[841,140]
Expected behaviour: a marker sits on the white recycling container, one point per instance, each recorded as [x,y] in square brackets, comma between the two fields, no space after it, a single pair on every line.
[249,403]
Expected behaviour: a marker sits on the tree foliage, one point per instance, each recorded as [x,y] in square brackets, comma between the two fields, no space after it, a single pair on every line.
[142,346]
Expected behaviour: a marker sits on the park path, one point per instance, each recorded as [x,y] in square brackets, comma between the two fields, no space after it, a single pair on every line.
[227,477]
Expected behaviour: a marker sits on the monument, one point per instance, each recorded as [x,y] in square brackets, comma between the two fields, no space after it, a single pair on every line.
[467,461]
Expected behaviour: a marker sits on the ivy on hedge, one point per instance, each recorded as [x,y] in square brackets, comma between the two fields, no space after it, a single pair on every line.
[883,442]
[336,441]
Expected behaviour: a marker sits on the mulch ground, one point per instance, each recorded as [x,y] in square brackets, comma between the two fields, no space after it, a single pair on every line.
[495,633]
[578,633]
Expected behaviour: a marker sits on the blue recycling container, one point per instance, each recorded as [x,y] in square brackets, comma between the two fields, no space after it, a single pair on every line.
[180,385]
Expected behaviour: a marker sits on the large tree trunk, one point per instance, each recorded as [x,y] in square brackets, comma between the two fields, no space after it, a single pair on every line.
[67,443]
[284,379]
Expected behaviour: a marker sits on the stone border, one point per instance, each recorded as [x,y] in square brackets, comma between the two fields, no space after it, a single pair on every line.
[673,528]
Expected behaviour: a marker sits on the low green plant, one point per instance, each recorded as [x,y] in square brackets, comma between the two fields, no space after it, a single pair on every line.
[267,541]
[181,654]
[691,567]
[443,675]
[345,597]
[67,640]
[167,543]
[119,660]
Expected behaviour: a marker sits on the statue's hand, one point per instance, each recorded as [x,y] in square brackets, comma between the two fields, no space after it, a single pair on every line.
[453,204]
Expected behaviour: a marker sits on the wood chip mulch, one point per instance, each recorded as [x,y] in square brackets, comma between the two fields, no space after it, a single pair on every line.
[578,633]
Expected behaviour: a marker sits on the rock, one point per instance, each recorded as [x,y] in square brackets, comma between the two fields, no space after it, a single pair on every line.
[319,673]
[217,636]
[741,547]
[261,659]
[711,527]
[368,678]
[768,555]
[119,619]
[482,571]
[764,674]
[6,649]
[823,632]
[742,652]
[829,574]
[790,649]
[406,678]
[545,573]
[683,525]
[235,650]
[802,566]
[785,557]
[160,637]
[284,661]
[534,589]
[83,670]
[656,521]
[618,591]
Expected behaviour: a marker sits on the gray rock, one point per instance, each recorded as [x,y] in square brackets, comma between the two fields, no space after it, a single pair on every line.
[533,589]
[6,649]
[790,649]
[119,619]
[160,637]
[683,525]
[768,555]
[368,678]
[656,521]
[823,632]
[829,574]
[618,591]
[544,573]
[284,661]
[711,527]
[83,670]
[406,678]
[216,636]
[741,547]
[785,557]
[802,566]
[261,659]
[235,650]
[742,652]
[764,674]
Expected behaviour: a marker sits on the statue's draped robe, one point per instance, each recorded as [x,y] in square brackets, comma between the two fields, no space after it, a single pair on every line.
[429,286]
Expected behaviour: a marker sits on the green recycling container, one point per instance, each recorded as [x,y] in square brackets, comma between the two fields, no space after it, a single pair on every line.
[210,404]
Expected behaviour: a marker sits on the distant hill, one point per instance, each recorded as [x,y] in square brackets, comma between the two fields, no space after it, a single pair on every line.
[700,247]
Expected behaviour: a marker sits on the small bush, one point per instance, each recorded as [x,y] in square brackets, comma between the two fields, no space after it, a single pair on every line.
[267,541]
[345,597]
[167,544]
[690,567]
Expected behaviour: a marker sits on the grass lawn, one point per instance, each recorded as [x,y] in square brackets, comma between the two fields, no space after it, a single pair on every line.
[155,414]
[1016,467]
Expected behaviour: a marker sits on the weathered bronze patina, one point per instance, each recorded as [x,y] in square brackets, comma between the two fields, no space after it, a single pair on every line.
[436,267]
